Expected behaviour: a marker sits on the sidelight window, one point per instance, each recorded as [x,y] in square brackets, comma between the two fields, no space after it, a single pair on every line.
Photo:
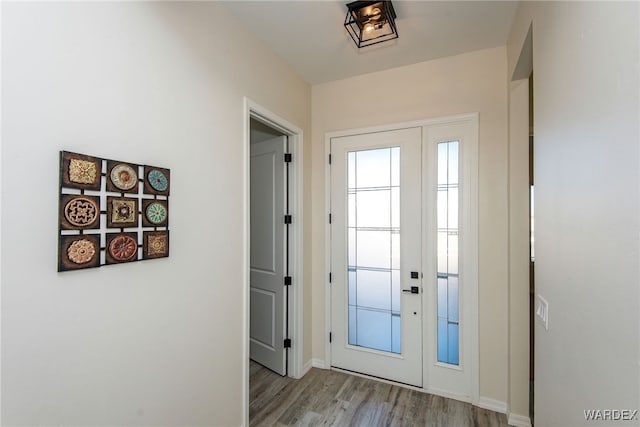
[447,252]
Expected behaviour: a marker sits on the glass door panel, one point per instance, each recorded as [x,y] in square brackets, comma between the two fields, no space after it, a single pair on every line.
[374,248]
[447,255]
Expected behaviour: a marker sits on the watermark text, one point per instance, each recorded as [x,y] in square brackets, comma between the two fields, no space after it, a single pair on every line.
[611,414]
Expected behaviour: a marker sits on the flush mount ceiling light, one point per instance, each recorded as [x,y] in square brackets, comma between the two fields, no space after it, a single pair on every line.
[371,22]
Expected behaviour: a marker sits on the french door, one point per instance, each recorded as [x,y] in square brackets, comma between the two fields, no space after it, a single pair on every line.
[404,255]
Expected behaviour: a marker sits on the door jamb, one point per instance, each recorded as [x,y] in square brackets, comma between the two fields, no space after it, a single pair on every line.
[294,133]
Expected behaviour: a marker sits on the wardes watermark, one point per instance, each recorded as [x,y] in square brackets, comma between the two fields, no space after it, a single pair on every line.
[611,414]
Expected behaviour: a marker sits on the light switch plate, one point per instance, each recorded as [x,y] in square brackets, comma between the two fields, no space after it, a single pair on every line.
[542,310]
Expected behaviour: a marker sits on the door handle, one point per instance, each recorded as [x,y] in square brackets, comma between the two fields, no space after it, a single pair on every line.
[413,290]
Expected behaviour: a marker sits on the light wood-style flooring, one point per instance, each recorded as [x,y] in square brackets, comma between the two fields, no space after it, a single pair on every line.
[331,398]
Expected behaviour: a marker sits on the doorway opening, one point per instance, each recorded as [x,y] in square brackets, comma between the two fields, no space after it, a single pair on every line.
[269,278]
[273,268]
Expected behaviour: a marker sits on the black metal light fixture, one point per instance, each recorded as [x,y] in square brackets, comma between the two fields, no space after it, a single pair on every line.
[371,22]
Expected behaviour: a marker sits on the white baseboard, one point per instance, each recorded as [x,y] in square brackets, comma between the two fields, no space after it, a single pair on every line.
[492,405]
[447,394]
[306,367]
[319,363]
[518,420]
[312,363]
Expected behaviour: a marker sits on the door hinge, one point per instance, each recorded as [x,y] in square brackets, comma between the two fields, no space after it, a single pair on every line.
[287,343]
[287,157]
[287,280]
[287,219]
[329,277]
[330,337]
[329,158]
[329,218]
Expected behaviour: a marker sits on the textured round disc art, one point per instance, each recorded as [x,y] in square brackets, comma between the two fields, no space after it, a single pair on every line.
[81,251]
[156,213]
[124,177]
[123,248]
[81,211]
[158,180]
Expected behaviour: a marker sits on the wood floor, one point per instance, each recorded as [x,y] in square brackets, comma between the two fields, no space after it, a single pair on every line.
[330,398]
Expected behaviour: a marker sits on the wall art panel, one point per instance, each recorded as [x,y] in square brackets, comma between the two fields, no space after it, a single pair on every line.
[111,212]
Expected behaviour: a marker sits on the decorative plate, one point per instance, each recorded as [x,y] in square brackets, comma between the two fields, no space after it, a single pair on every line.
[157,180]
[123,248]
[124,177]
[82,171]
[157,245]
[156,213]
[81,212]
[123,211]
[81,251]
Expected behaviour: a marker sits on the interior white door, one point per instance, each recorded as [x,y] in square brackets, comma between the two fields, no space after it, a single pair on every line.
[267,270]
[376,319]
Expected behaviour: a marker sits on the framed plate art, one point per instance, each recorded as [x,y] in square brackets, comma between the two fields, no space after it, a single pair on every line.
[155,213]
[156,180]
[122,177]
[80,171]
[121,247]
[122,212]
[111,212]
[155,244]
[79,212]
[79,251]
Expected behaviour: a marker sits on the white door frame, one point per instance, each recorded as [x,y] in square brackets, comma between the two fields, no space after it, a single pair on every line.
[253,110]
[471,255]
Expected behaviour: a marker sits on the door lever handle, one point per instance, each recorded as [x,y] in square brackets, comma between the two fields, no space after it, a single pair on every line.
[413,290]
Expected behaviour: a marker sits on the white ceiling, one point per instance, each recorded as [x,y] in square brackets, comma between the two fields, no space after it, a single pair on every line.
[310,35]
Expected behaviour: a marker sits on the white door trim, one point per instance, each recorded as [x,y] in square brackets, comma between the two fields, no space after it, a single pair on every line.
[471,255]
[257,112]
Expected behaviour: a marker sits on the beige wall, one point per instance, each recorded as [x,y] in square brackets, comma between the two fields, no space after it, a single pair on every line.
[586,62]
[474,82]
[150,343]
[519,254]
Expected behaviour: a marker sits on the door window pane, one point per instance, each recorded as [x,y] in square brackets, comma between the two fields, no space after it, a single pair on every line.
[373,289]
[395,292]
[373,329]
[447,252]
[373,204]
[373,248]
[373,168]
[395,332]
[374,208]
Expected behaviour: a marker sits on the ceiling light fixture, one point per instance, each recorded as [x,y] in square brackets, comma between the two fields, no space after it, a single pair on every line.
[371,22]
